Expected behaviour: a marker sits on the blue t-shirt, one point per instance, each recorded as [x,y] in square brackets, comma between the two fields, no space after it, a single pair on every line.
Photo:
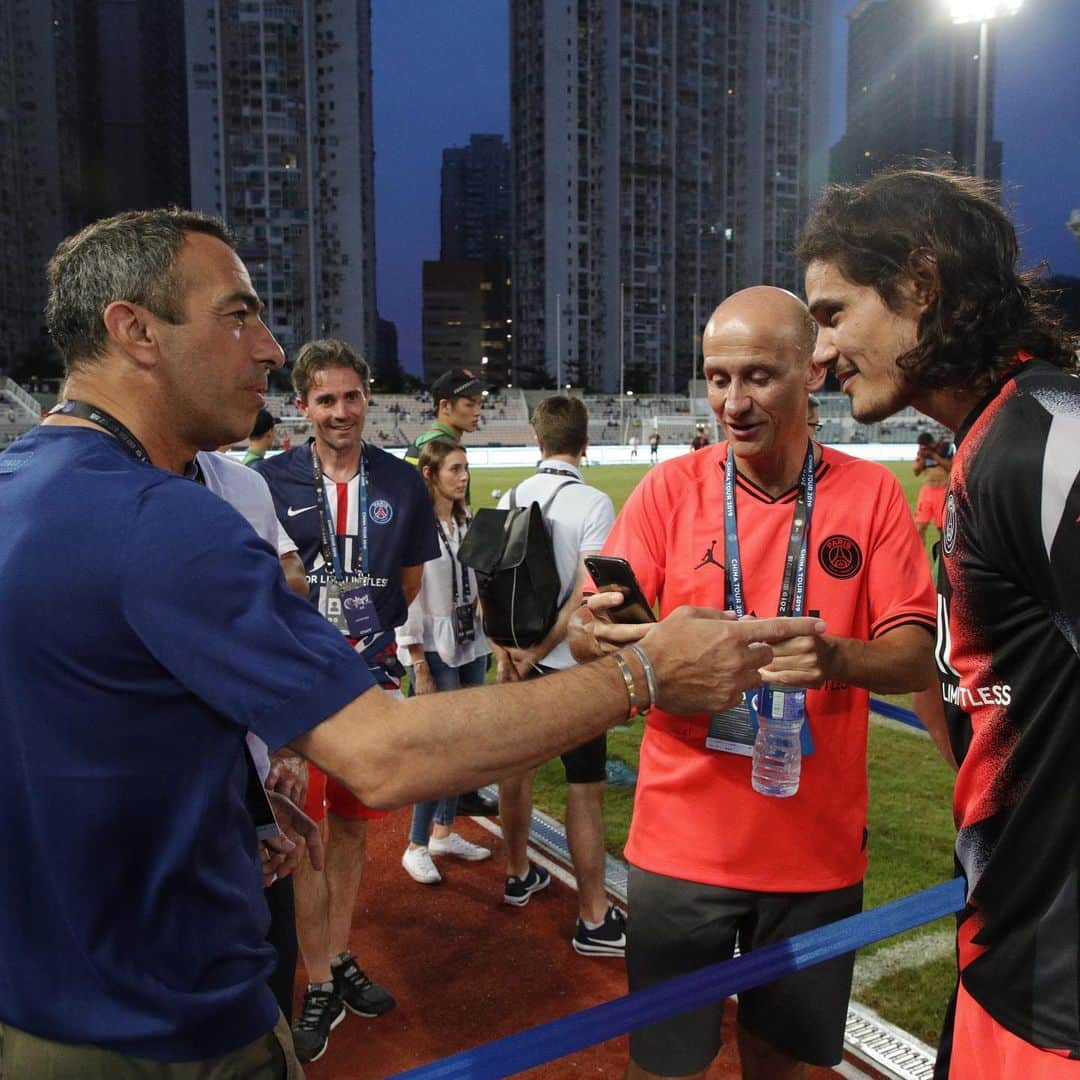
[144,627]
[400,532]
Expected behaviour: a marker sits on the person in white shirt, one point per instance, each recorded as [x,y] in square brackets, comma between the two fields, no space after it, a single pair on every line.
[286,772]
[579,517]
[443,644]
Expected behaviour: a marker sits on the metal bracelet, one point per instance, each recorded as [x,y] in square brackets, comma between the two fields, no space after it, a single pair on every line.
[650,672]
[628,678]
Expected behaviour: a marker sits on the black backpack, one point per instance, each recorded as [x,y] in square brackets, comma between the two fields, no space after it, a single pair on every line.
[514,560]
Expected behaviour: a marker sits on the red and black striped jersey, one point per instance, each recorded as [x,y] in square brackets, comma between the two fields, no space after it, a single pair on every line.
[1009,654]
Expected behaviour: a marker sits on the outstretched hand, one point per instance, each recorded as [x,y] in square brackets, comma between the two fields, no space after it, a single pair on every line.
[592,632]
[706,659]
[800,661]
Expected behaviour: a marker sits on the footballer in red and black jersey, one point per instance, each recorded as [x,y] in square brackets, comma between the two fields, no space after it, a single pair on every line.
[1009,656]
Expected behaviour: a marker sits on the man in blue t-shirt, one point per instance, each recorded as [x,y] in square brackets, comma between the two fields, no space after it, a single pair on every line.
[145,629]
[363,523]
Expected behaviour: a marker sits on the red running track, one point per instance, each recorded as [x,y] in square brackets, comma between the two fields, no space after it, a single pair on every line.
[467,968]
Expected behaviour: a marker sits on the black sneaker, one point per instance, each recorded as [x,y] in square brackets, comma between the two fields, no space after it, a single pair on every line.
[323,1011]
[609,939]
[359,993]
[473,804]
[518,890]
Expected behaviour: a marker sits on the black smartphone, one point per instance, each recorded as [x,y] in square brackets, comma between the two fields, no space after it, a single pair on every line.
[613,574]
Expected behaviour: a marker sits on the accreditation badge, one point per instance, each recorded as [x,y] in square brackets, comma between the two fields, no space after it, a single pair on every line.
[358,605]
[335,612]
[733,731]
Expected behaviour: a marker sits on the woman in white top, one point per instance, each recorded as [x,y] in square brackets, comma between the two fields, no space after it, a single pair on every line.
[444,644]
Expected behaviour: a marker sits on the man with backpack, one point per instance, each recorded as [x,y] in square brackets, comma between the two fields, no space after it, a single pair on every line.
[579,518]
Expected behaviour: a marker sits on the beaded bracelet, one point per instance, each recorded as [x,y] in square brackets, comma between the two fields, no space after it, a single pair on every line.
[650,671]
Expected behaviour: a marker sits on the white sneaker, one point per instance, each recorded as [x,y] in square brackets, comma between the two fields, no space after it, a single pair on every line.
[419,867]
[455,845]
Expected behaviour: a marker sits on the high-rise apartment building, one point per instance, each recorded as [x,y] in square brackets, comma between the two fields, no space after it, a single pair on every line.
[663,155]
[133,106]
[464,317]
[912,90]
[466,294]
[39,157]
[475,204]
[279,114]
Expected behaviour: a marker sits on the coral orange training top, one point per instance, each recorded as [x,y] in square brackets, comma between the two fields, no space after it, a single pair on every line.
[696,816]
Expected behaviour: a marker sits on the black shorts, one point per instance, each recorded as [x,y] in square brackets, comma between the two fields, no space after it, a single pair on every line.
[587,763]
[680,926]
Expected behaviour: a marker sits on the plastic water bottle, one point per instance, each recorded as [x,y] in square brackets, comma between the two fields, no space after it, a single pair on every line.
[777,760]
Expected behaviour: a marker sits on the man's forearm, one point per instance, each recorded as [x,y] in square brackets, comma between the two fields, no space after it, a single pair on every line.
[391,752]
[468,736]
[295,575]
[898,662]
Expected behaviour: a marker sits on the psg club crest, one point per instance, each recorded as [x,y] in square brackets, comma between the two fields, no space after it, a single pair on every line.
[840,556]
[948,534]
[381,512]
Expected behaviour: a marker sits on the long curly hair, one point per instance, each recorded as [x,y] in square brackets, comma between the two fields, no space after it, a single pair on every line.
[944,229]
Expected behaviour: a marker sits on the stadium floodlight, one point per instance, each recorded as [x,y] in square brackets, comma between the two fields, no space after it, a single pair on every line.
[483,359]
[963,11]
[982,11]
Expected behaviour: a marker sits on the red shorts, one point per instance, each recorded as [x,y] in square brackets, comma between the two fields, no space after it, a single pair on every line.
[930,509]
[325,793]
[983,1050]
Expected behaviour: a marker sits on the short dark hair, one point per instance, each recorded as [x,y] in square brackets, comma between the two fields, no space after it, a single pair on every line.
[316,356]
[891,228]
[130,256]
[561,424]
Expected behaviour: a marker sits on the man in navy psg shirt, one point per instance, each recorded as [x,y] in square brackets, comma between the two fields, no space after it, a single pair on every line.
[145,629]
[912,279]
[359,516]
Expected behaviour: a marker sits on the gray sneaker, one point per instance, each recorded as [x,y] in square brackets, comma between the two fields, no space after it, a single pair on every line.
[322,1012]
[360,994]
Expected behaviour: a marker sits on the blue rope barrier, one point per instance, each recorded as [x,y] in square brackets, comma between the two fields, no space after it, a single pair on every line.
[896,712]
[556,1039]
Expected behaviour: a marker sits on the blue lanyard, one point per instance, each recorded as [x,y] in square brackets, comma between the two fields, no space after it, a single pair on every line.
[331,551]
[793,584]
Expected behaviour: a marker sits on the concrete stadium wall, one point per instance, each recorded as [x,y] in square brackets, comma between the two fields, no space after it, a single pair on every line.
[525,457]
[510,457]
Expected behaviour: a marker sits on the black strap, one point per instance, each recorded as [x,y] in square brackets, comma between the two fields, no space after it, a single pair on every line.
[545,507]
[466,591]
[85,411]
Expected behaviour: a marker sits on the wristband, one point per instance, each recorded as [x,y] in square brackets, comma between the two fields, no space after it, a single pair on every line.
[422,660]
[650,672]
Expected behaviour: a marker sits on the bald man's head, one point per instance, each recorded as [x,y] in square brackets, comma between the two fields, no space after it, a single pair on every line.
[767,316]
[758,349]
